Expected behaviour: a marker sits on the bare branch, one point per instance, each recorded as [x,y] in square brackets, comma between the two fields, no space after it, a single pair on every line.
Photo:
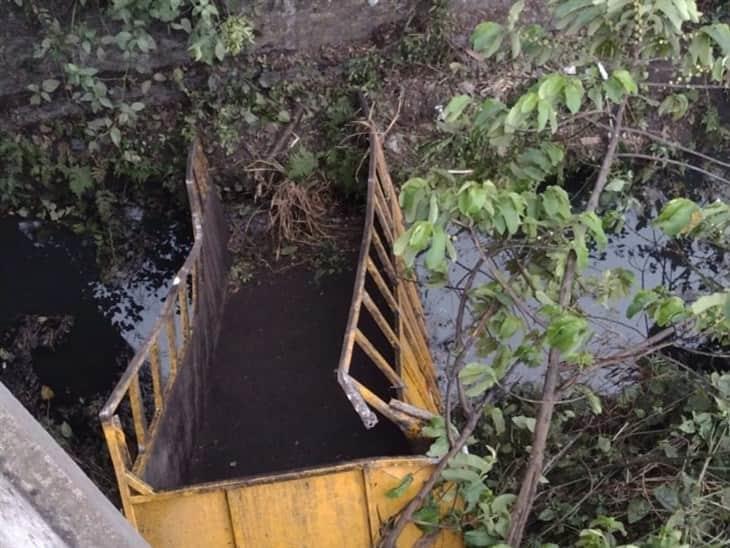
[684,86]
[674,162]
[673,144]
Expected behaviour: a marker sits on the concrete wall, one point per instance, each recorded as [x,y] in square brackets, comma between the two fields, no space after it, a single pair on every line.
[45,498]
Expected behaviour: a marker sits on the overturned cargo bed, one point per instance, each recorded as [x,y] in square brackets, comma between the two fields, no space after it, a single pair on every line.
[229,428]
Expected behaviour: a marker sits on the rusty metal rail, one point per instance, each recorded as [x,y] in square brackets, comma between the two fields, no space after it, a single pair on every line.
[135,408]
[390,298]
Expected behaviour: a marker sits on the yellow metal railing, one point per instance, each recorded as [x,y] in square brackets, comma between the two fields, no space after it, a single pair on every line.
[330,506]
[391,299]
[134,410]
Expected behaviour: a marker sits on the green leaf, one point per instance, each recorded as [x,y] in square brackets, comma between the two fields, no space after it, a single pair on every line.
[627,81]
[573,94]
[604,444]
[667,496]
[706,302]
[641,300]
[528,103]
[596,96]
[566,8]
[581,250]
[555,152]
[502,503]
[438,448]
[543,112]
[460,474]
[411,196]
[515,44]
[474,461]
[593,400]
[514,13]
[436,255]
[115,135]
[594,224]
[668,8]
[676,104]
[638,509]
[669,309]
[220,50]
[400,245]
[399,490]
[301,164]
[79,180]
[509,326]
[50,85]
[720,33]
[614,90]
[433,209]
[677,216]
[617,184]
[487,38]
[479,538]
[551,87]
[524,423]
[556,203]
[455,108]
[421,233]
[498,420]
[566,332]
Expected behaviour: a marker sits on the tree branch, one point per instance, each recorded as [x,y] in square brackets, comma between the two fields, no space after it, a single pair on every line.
[667,142]
[675,162]
[528,488]
[390,539]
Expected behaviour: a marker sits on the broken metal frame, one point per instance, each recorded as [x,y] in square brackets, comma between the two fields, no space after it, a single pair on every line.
[412,373]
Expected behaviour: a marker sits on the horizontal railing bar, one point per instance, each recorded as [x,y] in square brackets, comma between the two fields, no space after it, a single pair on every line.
[384,258]
[384,220]
[382,286]
[378,359]
[380,320]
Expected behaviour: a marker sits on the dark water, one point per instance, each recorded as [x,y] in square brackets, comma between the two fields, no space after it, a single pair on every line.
[46,271]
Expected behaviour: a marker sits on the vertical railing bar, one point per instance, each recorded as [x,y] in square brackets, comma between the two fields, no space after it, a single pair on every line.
[194,276]
[121,462]
[154,357]
[171,346]
[140,423]
[182,297]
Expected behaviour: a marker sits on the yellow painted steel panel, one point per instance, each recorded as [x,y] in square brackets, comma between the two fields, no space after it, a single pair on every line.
[199,520]
[328,511]
[381,479]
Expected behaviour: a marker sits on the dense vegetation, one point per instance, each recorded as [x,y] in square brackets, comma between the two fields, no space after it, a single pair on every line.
[647,465]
